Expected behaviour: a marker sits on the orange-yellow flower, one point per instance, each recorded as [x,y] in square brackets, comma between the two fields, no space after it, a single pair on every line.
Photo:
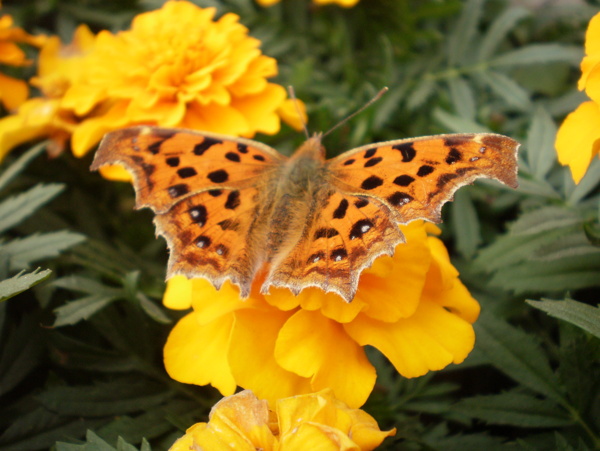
[312,421]
[13,91]
[344,3]
[578,138]
[411,307]
[175,67]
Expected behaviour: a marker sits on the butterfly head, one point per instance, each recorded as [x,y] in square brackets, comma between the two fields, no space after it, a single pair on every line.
[312,149]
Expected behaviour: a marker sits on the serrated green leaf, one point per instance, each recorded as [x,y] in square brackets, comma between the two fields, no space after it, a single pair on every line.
[152,309]
[507,89]
[545,219]
[21,163]
[466,224]
[540,188]
[589,182]
[540,143]
[579,314]
[458,124]
[117,397]
[82,309]
[515,409]
[21,282]
[464,31]
[518,355]
[468,442]
[499,29]
[539,53]
[16,208]
[462,97]
[569,273]
[24,251]
[122,445]
[419,95]
[85,285]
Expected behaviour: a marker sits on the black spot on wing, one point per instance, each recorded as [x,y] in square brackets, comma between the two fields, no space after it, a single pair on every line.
[202,147]
[349,162]
[178,190]
[242,148]
[172,161]
[325,233]
[185,173]
[453,156]
[339,254]
[360,203]
[407,150]
[340,211]
[198,214]
[403,180]
[218,176]
[360,228]
[232,156]
[399,198]
[371,182]
[424,170]
[372,162]
[233,200]
[369,153]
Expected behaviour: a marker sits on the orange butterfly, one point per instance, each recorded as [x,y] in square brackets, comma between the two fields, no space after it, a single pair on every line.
[230,207]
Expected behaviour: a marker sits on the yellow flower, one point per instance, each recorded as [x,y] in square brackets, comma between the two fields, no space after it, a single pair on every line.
[411,307]
[59,67]
[312,421]
[175,67]
[344,3]
[578,138]
[13,92]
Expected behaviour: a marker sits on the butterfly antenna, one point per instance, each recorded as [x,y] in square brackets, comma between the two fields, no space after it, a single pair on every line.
[360,110]
[295,100]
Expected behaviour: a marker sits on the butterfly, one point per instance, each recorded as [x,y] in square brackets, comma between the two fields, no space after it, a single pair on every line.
[231,208]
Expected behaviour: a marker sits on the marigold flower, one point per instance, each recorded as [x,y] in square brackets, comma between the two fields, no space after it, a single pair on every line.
[175,67]
[411,307]
[578,138]
[13,91]
[344,3]
[312,421]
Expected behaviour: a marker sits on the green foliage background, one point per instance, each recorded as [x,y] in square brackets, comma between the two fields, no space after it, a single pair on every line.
[81,349]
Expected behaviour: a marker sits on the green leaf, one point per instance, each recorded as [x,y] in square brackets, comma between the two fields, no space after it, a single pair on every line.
[152,309]
[464,31]
[540,143]
[85,285]
[21,163]
[457,124]
[82,309]
[515,409]
[466,223]
[518,355]
[117,397]
[419,95]
[498,31]
[92,443]
[589,182]
[16,208]
[539,53]
[506,88]
[545,219]
[463,98]
[24,251]
[579,314]
[21,282]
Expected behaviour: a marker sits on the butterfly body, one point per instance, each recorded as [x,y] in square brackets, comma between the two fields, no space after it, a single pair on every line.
[231,208]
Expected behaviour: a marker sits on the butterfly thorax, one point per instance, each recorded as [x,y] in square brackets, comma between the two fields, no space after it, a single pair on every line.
[300,182]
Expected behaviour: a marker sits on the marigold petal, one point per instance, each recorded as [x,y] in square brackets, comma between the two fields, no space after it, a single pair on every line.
[365,431]
[431,339]
[178,295]
[251,356]
[116,173]
[13,92]
[293,113]
[197,353]
[319,437]
[89,132]
[578,139]
[311,345]
[260,109]
[216,118]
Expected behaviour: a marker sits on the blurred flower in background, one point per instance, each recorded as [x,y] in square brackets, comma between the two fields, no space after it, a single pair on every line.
[411,307]
[13,91]
[578,138]
[175,67]
[312,421]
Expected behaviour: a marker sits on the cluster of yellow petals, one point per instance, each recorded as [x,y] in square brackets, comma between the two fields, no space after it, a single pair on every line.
[344,3]
[316,421]
[578,138]
[175,67]
[13,91]
[411,307]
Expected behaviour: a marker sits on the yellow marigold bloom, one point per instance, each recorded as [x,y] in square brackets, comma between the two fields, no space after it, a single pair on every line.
[175,67]
[312,421]
[411,307]
[13,92]
[578,138]
[344,3]
[59,67]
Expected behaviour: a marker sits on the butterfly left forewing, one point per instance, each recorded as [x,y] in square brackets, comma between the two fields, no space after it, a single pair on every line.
[416,176]
[210,194]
